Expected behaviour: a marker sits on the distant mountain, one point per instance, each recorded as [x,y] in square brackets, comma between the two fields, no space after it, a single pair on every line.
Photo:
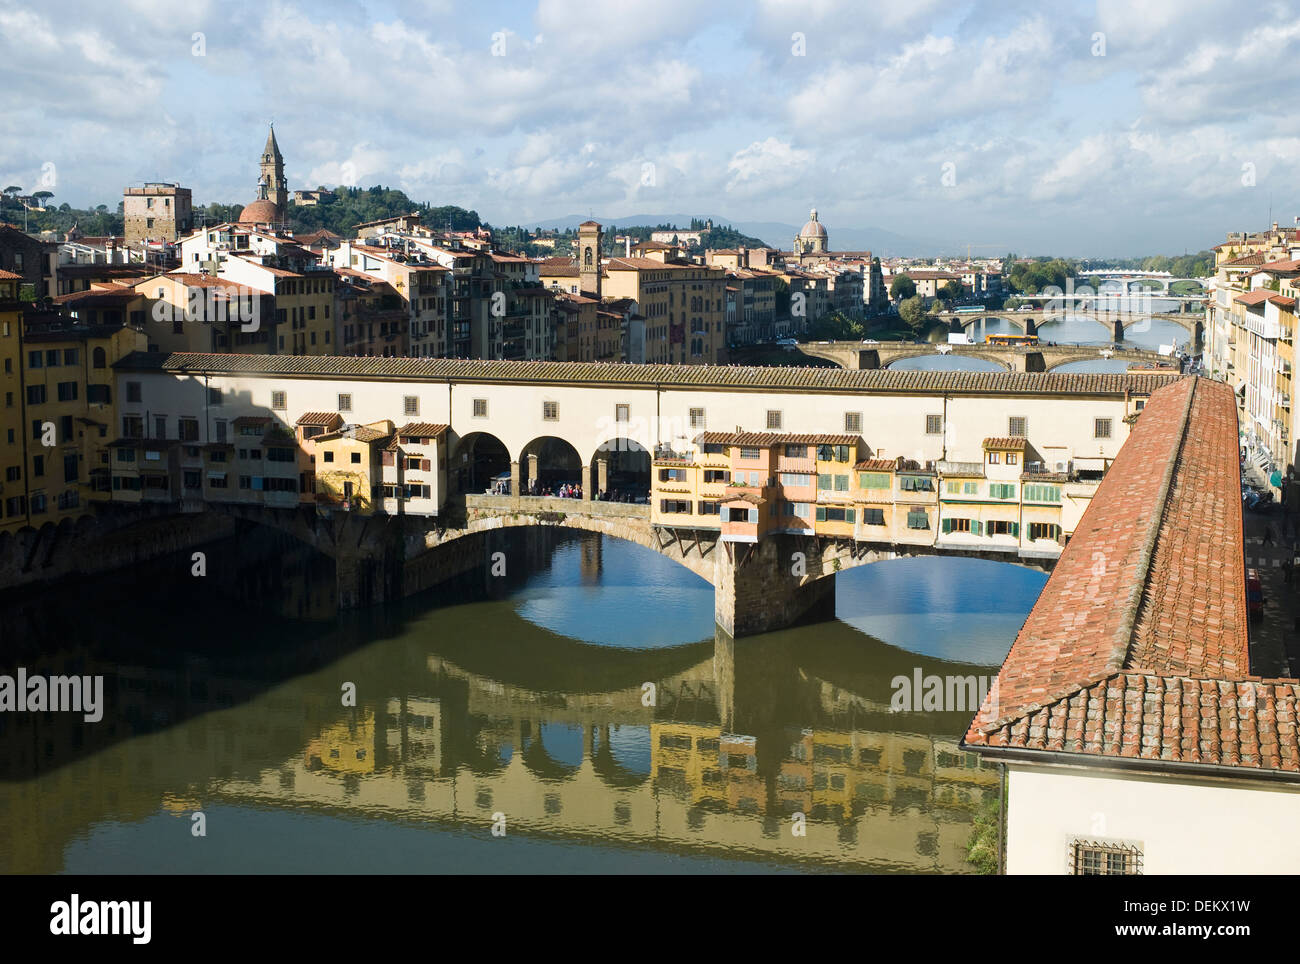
[774,233]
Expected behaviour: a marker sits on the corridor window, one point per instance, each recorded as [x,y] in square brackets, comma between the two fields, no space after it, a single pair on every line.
[873,517]
[934,425]
[345,403]
[994,458]
[278,401]
[697,418]
[551,411]
[853,422]
[1100,858]
[1101,428]
[480,408]
[875,480]
[622,413]
[410,405]
[915,483]
[773,420]
[1017,426]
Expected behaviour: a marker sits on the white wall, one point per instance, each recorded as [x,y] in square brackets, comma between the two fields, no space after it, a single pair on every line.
[1182,826]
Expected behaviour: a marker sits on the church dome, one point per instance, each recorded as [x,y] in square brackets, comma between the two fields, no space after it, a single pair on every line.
[260,212]
[813,228]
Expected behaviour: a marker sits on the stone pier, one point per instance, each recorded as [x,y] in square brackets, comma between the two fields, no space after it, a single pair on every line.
[769,586]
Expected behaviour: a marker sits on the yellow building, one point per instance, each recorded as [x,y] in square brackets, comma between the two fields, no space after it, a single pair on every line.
[349,466]
[684,306]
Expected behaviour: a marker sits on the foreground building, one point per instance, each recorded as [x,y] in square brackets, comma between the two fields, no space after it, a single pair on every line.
[1135,737]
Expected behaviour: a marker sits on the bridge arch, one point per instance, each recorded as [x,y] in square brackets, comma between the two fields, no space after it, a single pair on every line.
[546,463]
[477,459]
[621,470]
[612,770]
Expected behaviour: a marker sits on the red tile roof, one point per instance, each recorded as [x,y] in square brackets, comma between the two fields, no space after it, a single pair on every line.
[1137,647]
[9,276]
[421,430]
[767,439]
[1014,442]
[325,419]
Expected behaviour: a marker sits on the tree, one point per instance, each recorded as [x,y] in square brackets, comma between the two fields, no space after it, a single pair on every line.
[902,287]
[951,291]
[42,197]
[912,312]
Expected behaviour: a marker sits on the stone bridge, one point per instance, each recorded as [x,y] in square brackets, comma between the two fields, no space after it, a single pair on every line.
[783,580]
[1035,358]
[1119,321]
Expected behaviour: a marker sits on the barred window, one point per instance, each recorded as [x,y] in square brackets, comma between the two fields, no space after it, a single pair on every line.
[411,404]
[622,413]
[480,408]
[853,422]
[345,403]
[773,420]
[1101,428]
[1099,857]
[1017,426]
[278,401]
[934,425]
[551,411]
[697,418]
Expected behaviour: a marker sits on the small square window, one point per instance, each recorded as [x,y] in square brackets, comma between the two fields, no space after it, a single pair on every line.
[773,420]
[1101,428]
[1104,858]
[278,401]
[356,458]
[1017,426]
[934,425]
[345,403]
[411,404]
[551,411]
[697,418]
[853,422]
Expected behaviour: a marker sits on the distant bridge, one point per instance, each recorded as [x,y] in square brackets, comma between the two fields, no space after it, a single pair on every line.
[1036,358]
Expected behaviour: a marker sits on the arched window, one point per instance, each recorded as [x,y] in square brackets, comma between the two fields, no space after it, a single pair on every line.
[586,258]
[100,359]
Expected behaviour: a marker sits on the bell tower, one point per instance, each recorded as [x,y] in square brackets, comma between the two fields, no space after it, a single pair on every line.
[271,185]
[589,242]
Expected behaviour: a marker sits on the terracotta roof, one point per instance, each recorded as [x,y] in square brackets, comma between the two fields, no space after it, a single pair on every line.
[325,419]
[252,420]
[1259,257]
[1137,647]
[878,465]
[767,439]
[1012,442]
[9,276]
[421,430]
[1256,297]
[758,379]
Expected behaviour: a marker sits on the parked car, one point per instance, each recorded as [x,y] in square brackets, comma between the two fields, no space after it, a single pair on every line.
[1254,593]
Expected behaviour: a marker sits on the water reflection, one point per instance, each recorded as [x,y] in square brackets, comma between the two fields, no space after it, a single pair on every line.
[471,706]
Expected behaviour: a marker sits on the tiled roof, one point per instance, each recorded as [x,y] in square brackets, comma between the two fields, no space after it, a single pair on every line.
[767,439]
[9,276]
[878,465]
[252,420]
[1137,647]
[421,430]
[326,419]
[1013,442]
[769,379]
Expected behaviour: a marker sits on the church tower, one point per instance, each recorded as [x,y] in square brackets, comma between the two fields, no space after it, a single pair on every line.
[271,186]
[590,237]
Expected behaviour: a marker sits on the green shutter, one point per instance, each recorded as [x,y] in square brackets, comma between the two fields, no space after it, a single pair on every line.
[849,516]
[821,514]
[947,525]
[977,527]
[1015,529]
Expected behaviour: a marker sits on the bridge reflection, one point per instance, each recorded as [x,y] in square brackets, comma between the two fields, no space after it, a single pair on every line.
[740,736]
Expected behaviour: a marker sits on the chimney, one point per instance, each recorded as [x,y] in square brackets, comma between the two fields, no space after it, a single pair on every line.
[627,245]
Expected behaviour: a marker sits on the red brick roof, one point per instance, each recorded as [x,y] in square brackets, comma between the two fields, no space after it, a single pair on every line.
[325,419]
[9,276]
[421,430]
[767,439]
[1013,442]
[1137,647]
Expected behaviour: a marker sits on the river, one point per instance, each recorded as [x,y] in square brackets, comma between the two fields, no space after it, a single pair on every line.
[582,708]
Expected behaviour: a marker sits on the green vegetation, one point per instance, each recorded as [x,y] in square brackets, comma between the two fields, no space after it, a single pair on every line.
[1031,278]
[95,222]
[982,846]
[902,287]
[1199,265]
[836,326]
[354,205]
[913,313]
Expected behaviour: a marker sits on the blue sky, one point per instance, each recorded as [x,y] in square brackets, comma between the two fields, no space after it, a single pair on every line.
[1050,143]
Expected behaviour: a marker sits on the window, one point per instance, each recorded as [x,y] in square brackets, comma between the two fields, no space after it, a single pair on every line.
[38,468]
[35,359]
[934,425]
[1002,490]
[1044,530]
[1035,492]
[550,411]
[214,396]
[99,358]
[853,422]
[749,453]
[994,458]
[873,517]
[915,483]
[1139,404]
[796,451]
[133,391]
[69,356]
[796,478]
[1017,426]
[14,472]
[329,456]
[356,458]
[697,418]
[832,453]
[622,413]
[874,480]
[773,420]
[1101,428]
[278,401]
[345,403]
[672,475]
[1095,857]
[1000,527]
[679,506]
[1012,458]
[960,525]
[826,513]
[188,429]
[410,405]
[708,508]
[35,394]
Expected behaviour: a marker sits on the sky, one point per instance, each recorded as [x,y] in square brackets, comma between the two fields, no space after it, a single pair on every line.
[1114,127]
